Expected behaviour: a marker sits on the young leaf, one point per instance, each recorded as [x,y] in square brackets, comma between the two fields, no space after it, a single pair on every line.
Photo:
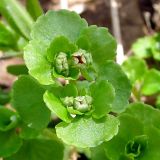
[17,17]
[7,39]
[69,90]
[8,119]
[135,68]
[10,143]
[60,44]
[129,128]
[28,101]
[34,8]
[56,106]
[103,95]
[48,27]
[113,73]
[86,132]
[42,149]
[18,69]
[100,44]
[136,146]
[151,84]
[59,55]
[83,87]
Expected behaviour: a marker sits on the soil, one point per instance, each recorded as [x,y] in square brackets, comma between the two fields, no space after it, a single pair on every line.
[132,24]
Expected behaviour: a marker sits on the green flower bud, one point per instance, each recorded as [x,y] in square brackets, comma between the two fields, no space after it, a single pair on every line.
[82,57]
[61,64]
[82,103]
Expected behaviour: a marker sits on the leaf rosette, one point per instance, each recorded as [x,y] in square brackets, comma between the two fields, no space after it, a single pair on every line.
[62,45]
[138,136]
[79,109]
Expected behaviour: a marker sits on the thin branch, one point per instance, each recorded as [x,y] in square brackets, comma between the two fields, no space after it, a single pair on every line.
[117,30]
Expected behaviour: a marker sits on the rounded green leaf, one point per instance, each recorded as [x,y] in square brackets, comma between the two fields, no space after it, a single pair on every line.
[28,101]
[103,95]
[140,110]
[56,106]
[135,68]
[8,119]
[99,42]
[39,149]
[10,143]
[58,23]
[151,84]
[48,27]
[37,62]
[114,74]
[87,132]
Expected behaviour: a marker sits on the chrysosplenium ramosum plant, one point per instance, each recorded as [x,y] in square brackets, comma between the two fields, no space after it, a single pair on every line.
[63,46]
[75,95]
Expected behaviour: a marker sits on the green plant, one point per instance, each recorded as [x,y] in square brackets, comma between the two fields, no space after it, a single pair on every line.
[75,98]
[143,68]
[147,47]
[137,137]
